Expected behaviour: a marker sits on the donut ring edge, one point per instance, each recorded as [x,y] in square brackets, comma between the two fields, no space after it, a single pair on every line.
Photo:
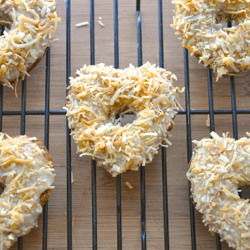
[173,113]
[212,211]
[13,78]
[224,63]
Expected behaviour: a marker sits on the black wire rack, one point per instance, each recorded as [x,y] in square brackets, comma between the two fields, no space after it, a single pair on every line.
[47,113]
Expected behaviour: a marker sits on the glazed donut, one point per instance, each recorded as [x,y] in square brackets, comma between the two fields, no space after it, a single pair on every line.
[26,176]
[219,166]
[99,93]
[225,50]
[32,25]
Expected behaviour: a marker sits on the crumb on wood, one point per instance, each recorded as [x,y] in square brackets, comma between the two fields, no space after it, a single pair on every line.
[208,121]
[82,24]
[129,185]
[101,23]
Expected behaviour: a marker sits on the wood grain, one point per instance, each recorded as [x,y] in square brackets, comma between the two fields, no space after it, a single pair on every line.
[178,203]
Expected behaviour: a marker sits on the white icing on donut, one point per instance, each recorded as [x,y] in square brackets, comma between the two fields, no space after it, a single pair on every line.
[32,25]
[218,167]
[100,92]
[25,173]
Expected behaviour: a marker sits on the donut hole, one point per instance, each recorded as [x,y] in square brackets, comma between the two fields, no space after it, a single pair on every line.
[245,192]
[225,22]
[5,23]
[126,119]
[221,18]
[224,25]
[2,29]
[2,186]
[233,23]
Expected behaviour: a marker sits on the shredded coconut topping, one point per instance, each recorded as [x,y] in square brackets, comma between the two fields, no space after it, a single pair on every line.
[32,26]
[219,166]
[25,174]
[226,50]
[98,93]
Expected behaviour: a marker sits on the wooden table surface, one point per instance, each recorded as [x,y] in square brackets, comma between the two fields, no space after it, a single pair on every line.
[178,200]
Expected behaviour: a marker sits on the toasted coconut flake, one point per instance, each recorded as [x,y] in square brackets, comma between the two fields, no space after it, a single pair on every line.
[220,166]
[101,23]
[129,185]
[148,92]
[208,121]
[72,178]
[82,24]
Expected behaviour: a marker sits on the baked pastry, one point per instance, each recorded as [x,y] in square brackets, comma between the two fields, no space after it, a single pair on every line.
[219,166]
[226,50]
[32,25]
[26,177]
[99,92]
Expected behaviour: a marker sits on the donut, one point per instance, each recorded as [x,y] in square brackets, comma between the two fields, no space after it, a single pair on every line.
[226,50]
[99,92]
[26,176]
[219,166]
[32,25]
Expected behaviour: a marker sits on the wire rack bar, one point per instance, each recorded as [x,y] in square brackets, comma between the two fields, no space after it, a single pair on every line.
[119,212]
[47,100]
[160,25]
[212,126]
[233,101]
[46,143]
[216,112]
[189,143]
[1,107]
[163,149]
[68,138]
[118,178]
[1,96]
[210,99]
[234,110]
[165,198]
[22,132]
[94,207]
[23,106]
[93,163]
[92,32]
[45,227]
[35,112]
[180,112]
[143,208]
[142,168]
[116,34]
[20,243]
[139,37]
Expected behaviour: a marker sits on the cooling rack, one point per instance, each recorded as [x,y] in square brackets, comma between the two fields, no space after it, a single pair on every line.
[170,235]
